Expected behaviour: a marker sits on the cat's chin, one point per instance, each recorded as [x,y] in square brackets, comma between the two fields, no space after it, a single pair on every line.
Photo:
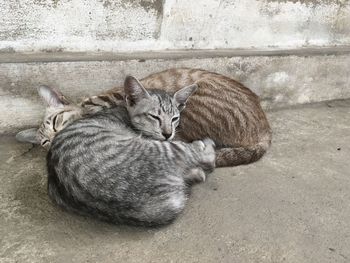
[153,136]
[161,138]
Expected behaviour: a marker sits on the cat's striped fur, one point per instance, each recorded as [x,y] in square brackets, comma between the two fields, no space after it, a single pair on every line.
[116,166]
[222,109]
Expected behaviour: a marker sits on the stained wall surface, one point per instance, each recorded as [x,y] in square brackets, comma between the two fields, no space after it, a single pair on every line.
[127,25]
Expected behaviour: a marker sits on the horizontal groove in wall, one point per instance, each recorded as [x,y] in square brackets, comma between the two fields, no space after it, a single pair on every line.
[48,57]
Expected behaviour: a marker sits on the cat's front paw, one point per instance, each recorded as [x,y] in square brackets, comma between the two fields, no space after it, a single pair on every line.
[209,142]
[202,145]
[206,149]
[195,175]
[198,145]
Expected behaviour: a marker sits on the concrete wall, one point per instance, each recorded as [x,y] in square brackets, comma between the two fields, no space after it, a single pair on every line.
[129,25]
[279,80]
[287,51]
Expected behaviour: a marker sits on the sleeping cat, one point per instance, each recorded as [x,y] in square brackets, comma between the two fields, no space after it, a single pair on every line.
[115,164]
[221,109]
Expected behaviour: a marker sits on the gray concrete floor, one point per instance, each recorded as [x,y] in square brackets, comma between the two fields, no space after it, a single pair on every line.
[292,206]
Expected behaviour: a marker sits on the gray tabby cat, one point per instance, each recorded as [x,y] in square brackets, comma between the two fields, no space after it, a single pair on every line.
[112,165]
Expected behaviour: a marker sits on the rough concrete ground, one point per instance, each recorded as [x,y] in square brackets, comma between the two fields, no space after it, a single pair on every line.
[292,206]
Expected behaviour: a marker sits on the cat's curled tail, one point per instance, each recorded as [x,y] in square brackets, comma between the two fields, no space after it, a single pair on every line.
[238,155]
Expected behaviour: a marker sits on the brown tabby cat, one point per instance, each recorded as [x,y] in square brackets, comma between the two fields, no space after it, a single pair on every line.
[221,109]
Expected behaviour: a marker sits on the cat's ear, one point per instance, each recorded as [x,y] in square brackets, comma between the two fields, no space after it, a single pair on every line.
[52,97]
[182,95]
[29,135]
[134,91]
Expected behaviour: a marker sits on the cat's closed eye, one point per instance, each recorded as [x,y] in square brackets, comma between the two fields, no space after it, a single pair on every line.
[54,123]
[174,119]
[155,117]
[44,142]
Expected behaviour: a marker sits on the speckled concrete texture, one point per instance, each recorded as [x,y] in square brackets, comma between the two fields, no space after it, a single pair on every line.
[292,206]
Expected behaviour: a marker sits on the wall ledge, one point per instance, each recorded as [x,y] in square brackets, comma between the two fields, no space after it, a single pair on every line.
[47,57]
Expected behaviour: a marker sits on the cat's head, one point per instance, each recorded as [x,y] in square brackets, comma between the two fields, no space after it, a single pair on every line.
[155,113]
[59,113]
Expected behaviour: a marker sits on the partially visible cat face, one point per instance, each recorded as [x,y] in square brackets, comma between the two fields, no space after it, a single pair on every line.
[58,115]
[154,112]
